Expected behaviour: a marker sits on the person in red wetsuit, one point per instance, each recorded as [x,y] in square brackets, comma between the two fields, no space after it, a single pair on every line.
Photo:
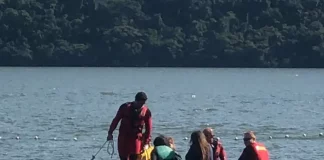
[253,150]
[133,116]
[218,149]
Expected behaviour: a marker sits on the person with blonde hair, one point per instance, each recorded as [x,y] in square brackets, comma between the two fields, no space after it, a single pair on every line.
[199,148]
[253,149]
[171,143]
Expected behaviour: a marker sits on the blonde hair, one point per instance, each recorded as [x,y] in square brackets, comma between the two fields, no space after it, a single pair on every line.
[251,134]
[198,139]
[171,140]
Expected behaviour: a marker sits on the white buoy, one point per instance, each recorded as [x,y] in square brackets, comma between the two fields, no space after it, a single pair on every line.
[287,136]
[185,138]
[75,138]
[304,135]
[217,138]
[236,138]
[193,96]
[54,138]
[321,134]
[17,138]
[36,137]
[270,137]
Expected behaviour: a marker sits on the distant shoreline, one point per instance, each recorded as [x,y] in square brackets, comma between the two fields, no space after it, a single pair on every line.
[159,67]
[177,34]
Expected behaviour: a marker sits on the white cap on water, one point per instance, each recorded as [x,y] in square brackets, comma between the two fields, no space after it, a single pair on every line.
[236,138]
[217,138]
[193,96]
[36,137]
[185,138]
[321,134]
[304,135]
[0,137]
[75,138]
[287,136]
[54,138]
[17,137]
[270,137]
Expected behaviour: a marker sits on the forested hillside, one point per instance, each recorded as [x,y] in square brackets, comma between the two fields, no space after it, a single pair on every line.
[188,33]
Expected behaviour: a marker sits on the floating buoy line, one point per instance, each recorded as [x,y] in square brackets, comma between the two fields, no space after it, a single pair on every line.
[287,136]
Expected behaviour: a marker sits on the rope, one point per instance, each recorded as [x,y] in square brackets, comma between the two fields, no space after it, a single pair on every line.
[111,144]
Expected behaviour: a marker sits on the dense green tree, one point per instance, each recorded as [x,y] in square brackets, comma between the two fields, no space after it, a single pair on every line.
[188,33]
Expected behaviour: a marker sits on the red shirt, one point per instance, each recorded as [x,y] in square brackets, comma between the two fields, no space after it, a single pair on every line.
[219,151]
[126,126]
[255,151]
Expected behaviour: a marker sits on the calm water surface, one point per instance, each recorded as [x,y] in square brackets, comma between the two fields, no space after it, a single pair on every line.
[64,103]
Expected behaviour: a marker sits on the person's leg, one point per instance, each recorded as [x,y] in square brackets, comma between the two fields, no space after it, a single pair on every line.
[135,147]
[122,146]
[133,157]
[123,158]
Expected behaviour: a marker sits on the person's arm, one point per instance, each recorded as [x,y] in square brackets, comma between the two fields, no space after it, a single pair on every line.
[191,155]
[116,120]
[222,154]
[153,155]
[148,127]
[248,154]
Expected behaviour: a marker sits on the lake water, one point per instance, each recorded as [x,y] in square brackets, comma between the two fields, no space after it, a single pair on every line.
[65,103]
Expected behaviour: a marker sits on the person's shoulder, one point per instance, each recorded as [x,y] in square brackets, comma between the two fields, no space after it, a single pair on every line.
[124,105]
[177,156]
[249,148]
[147,111]
[217,143]
[220,144]
[259,144]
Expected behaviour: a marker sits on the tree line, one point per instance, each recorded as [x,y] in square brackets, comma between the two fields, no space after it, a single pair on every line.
[162,33]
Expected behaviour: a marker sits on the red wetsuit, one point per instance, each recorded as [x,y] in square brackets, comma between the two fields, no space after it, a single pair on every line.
[219,151]
[255,151]
[130,136]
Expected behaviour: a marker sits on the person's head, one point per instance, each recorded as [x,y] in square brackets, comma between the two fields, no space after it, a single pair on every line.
[160,141]
[198,140]
[249,137]
[171,142]
[140,99]
[209,134]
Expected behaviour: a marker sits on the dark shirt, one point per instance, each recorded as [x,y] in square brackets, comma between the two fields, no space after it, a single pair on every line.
[193,153]
[248,154]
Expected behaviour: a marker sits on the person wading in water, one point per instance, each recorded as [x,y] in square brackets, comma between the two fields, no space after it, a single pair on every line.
[133,116]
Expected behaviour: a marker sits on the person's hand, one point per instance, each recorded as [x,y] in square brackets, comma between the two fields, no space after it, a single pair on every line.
[146,146]
[110,137]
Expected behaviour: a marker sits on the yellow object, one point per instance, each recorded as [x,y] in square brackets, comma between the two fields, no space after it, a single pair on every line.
[146,155]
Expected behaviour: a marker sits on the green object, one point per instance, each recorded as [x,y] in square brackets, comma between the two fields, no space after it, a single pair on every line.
[165,152]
